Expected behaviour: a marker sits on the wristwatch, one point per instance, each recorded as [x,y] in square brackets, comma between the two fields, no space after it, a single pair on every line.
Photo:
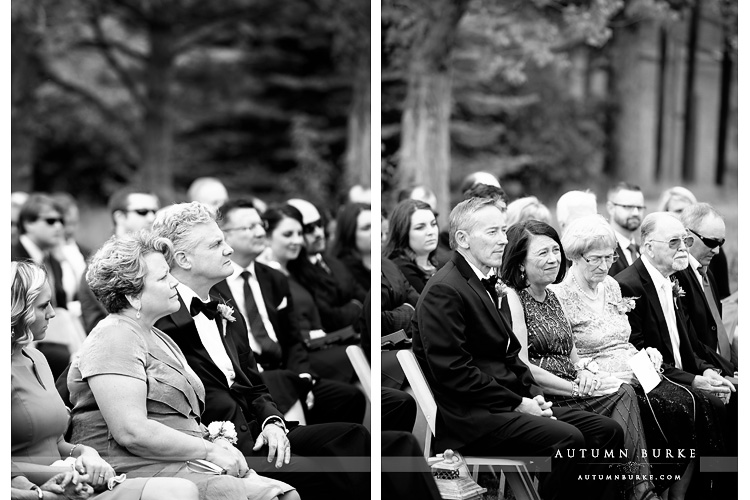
[39,492]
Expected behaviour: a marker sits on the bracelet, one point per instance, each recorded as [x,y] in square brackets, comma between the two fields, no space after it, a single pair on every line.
[39,492]
[574,390]
[73,449]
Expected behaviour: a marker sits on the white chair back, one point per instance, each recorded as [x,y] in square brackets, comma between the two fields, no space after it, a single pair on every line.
[422,393]
[361,367]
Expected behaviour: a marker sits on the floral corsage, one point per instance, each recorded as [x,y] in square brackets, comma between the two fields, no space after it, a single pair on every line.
[625,305]
[222,430]
[501,289]
[587,364]
[226,312]
[677,291]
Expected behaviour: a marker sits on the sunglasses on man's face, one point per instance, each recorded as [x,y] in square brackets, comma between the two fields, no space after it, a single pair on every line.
[310,228]
[674,243]
[709,242]
[51,221]
[143,212]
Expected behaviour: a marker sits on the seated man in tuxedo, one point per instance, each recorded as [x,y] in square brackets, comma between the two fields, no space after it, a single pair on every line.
[263,297]
[214,339]
[488,402]
[701,302]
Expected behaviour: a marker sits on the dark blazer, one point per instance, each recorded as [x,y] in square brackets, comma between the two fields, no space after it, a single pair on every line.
[333,294]
[275,288]
[247,402]
[417,278]
[621,264]
[649,326]
[19,252]
[701,319]
[395,293]
[469,355]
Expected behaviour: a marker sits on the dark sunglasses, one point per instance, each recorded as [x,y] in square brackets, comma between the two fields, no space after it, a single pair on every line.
[143,211]
[310,228]
[709,242]
[51,221]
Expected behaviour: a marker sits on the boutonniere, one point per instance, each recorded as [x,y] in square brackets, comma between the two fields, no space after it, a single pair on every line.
[501,289]
[222,430]
[625,305]
[677,291]
[227,312]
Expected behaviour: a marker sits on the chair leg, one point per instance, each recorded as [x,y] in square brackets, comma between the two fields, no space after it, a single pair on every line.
[520,482]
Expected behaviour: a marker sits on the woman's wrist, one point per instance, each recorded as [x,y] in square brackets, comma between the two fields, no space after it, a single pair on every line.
[574,390]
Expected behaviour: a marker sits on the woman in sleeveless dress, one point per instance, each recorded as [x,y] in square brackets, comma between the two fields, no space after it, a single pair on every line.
[531,263]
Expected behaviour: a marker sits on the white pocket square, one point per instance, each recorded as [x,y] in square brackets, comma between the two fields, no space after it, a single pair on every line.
[282,305]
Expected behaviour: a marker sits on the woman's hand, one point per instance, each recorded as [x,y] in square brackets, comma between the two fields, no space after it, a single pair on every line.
[587,382]
[225,455]
[655,357]
[608,385]
[98,471]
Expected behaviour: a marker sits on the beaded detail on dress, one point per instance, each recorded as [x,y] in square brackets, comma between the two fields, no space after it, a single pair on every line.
[603,337]
[550,338]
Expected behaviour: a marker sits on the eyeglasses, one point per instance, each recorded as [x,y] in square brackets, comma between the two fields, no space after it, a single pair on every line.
[674,243]
[630,208]
[251,227]
[51,221]
[709,242]
[143,212]
[598,259]
[310,228]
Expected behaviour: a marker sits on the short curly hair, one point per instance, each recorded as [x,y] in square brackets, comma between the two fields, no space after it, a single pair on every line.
[585,233]
[176,223]
[27,280]
[117,269]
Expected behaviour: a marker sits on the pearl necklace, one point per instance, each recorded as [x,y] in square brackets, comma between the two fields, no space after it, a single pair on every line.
[596,294]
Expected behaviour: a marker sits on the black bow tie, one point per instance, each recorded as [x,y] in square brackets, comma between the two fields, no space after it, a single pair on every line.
[209,309]
[489,283]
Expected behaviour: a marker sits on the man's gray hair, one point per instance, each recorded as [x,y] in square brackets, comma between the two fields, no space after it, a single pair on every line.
[648,226]
[693,215]
[575,204]
[176,222]
[460,216]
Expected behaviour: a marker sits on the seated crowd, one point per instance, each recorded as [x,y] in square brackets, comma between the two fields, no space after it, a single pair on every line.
[539,343]
[199,353]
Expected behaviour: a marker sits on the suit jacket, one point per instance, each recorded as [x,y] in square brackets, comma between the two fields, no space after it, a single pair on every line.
[247,402]
[417,278]
[649,326]
[275,289]
[701,319]
[395,293]
[19,252]
[333,293]
[469,355]
[621,264]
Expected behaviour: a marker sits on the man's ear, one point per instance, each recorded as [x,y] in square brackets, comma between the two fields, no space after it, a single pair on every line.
[462,239]
[182,260]
[610,208]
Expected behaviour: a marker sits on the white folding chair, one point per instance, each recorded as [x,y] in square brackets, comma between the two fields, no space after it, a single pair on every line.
[516,473]
[361,367]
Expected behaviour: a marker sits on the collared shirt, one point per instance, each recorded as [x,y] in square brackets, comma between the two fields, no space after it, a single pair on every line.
[210,336]
[236,285]
[624,243]
[666,299]
[694,265]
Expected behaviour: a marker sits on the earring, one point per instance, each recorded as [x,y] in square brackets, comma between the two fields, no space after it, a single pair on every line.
[138,312]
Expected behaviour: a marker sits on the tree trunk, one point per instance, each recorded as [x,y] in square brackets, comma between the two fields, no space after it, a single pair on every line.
[358,149]
[425,137]
[157,141]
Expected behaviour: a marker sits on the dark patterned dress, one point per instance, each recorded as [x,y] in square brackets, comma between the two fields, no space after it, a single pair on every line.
[674,417]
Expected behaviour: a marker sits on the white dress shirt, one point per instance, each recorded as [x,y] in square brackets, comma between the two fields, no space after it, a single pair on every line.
[666,299]
[236,286]
[210,336]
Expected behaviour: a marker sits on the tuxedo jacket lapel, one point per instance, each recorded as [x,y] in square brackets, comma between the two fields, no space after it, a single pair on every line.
[653,298]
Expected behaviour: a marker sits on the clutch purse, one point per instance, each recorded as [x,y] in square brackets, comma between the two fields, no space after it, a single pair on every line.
[205,467]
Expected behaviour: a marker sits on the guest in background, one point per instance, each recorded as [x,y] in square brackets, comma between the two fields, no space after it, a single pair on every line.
[528,208]
[412,241]
[352,242]
[17,199]
[39,418]
[574,204]
[626,207]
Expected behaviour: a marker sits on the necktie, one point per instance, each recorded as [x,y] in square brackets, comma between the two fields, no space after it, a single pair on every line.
[321,264]
[270,350]
[724,348]
[489,285]
[633,251]
[54,276]
[209,309]
[671,317]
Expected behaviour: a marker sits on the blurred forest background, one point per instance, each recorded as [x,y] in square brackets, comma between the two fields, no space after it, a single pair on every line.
[270,96]
[551,96]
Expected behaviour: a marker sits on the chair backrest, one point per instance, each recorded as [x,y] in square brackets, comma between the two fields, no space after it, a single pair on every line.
[361,367]
[422,392]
